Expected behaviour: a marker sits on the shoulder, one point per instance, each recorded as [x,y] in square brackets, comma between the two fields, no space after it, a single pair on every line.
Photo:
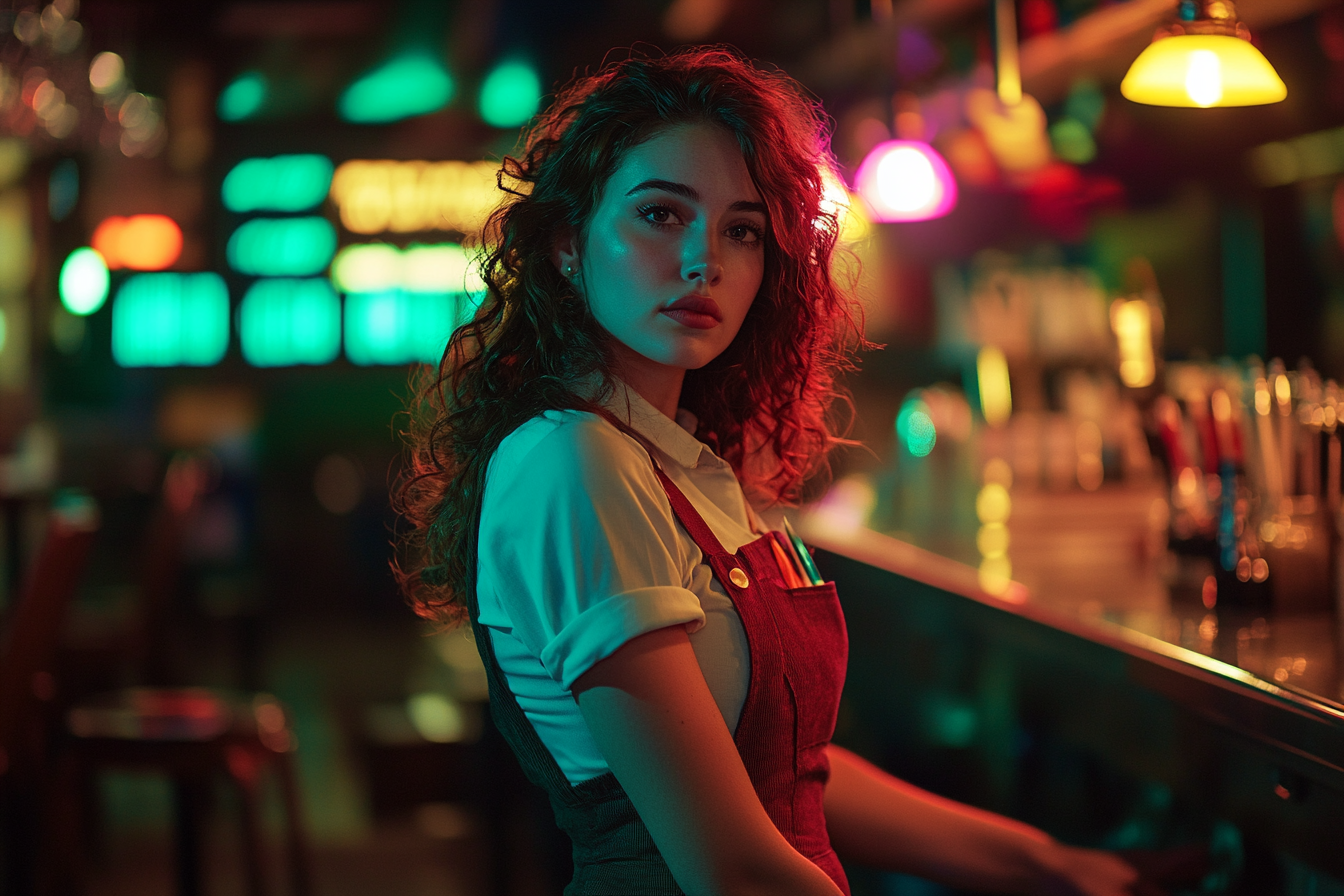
[567,450]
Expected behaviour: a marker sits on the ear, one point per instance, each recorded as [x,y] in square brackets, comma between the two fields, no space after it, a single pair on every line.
[566,251]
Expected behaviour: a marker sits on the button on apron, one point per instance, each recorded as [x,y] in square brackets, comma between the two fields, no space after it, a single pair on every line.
[738,577]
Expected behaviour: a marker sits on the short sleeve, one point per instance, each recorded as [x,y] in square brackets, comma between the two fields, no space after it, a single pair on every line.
[578,549]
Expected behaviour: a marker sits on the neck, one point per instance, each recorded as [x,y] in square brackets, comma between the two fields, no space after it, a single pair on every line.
[658,384]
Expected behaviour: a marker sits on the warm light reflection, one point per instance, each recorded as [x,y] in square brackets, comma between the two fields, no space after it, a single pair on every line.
[1132,322]
[906,180]
[996,397]
[140,242]
[375,267]
[404,197]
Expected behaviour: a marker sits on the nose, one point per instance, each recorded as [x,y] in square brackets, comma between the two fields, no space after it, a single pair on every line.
[701,265]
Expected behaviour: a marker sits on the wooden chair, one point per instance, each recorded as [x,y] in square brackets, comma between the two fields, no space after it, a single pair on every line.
[195,736]
[28,680]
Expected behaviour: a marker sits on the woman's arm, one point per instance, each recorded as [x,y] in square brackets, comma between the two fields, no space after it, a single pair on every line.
[655,721]
[879,820]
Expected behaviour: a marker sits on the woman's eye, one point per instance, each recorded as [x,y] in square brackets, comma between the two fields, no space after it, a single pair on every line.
[745,233]
[658,214]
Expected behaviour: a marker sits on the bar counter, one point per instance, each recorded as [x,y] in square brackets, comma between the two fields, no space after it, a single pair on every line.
[1099,662]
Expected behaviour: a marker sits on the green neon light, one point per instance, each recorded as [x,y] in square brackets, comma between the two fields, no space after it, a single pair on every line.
[244,97]
[435,268]
[412,84]
[83,282]
[510,95]
[168,320]
[284,322]
[914,427]
[397,327]
[282,247]
[292,183]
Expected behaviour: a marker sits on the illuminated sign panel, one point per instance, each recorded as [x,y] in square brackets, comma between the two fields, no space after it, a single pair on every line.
[290,183]
[405,197]
[398,327]
[282,247]
[375,267]
[283,322]
[167,320]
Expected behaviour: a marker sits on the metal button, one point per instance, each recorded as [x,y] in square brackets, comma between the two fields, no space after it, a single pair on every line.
[738,577]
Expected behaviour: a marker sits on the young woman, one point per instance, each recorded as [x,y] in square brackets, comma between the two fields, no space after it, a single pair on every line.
[656,356]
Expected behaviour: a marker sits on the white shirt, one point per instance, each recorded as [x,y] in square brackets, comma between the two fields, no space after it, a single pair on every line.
[579,552]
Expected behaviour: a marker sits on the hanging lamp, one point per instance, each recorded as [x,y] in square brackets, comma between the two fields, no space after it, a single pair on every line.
[1203,59]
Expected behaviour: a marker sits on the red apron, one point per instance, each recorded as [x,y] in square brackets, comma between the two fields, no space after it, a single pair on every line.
[799,649]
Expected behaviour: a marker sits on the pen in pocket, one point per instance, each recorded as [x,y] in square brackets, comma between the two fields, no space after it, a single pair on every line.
[788,567]
[804,558]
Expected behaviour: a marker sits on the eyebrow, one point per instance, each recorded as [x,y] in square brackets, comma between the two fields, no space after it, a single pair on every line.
[689,192]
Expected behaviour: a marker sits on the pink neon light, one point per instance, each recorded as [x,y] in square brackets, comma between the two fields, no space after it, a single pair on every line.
[906,180]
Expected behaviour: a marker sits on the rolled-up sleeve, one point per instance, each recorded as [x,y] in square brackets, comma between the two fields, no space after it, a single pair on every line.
[578,551]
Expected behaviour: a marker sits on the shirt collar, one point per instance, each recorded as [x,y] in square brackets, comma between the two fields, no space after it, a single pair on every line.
[673,437]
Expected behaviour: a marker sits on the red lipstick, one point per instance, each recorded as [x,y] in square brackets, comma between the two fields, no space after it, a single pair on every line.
[697,312]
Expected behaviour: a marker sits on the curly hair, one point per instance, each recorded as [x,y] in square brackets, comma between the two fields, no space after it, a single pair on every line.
[765,404]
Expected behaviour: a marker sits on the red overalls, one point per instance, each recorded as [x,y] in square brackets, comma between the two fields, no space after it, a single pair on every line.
[799,649]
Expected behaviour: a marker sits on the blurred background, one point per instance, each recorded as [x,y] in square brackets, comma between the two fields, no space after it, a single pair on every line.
[229,231]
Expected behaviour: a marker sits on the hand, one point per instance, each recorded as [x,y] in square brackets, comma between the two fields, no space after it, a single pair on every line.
[1071,871]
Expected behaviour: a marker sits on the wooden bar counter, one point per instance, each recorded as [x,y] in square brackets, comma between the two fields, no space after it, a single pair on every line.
[1096,694]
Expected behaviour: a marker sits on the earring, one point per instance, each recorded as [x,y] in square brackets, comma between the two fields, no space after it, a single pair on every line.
[568,271]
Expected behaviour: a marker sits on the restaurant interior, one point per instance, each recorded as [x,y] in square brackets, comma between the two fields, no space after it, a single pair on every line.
[1088,545]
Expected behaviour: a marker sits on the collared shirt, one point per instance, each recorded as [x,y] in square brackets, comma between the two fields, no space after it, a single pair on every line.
[579,552]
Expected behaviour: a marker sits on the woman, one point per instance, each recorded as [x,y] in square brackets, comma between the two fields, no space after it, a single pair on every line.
[659,341]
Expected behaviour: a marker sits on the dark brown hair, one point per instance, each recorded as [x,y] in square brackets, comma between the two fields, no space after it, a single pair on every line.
[764,404]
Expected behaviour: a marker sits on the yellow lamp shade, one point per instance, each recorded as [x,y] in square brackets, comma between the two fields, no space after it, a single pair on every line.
[1202,70]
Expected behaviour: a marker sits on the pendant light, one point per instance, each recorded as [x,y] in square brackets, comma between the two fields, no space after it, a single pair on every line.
[904,179]
[1204,59]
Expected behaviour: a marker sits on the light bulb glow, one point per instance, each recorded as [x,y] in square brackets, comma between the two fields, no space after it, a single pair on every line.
[1202,70]
[83,282]
[906,180]
[140,242]
[1204,78]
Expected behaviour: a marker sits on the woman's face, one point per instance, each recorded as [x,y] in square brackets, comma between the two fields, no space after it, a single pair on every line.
[675,251]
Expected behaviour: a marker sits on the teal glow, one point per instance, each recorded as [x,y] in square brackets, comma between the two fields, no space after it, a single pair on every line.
[244,97]
[285,322]
[169,320]
[914,427]
[510,95]
[396,327]
[282,247]
[1086,103]
[1072,141]
[412,84]
[292,183]
[83,282]
[63,189]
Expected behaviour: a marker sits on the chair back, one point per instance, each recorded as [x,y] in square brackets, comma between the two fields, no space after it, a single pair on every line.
[29,653]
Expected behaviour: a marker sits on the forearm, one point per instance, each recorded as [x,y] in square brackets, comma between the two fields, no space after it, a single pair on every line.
[881,821]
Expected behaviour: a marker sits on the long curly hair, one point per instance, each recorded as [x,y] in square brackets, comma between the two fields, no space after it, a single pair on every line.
[765,404]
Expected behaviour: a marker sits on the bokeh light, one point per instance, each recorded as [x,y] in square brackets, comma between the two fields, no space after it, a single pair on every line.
[282,247]
[398,327]
[244,97]
[996,397]
[411,84]
[914,427]
[906,180]
[140,242]
[287,183]
[107,73]
[510,94]
[283,322]
[83,281]
[433,268]
[168,320]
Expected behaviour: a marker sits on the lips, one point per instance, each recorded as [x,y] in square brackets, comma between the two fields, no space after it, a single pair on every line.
[697,312]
